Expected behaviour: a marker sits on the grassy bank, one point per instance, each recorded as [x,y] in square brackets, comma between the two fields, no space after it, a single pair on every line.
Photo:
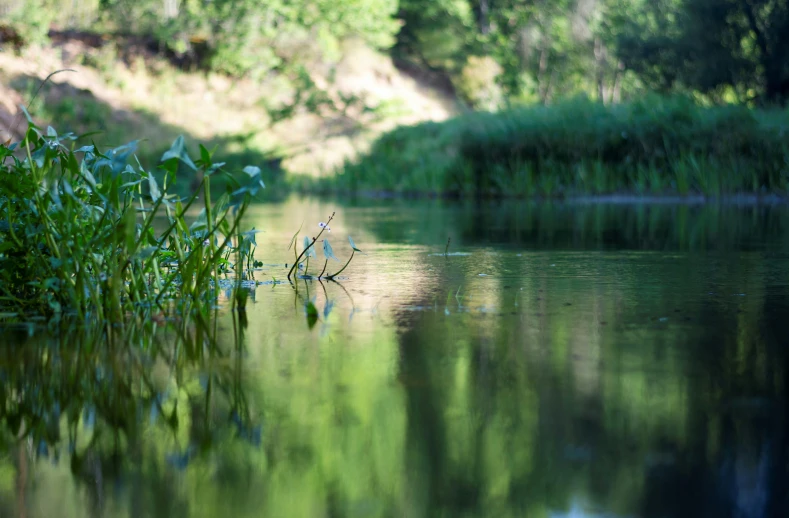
[654,146]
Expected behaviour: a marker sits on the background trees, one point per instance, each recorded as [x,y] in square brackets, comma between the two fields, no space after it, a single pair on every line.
[492,52]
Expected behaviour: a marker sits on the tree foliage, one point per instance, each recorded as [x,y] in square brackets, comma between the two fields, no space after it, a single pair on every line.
[540,50]
[716,47]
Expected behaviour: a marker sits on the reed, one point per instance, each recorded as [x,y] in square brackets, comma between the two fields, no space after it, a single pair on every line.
[651,146]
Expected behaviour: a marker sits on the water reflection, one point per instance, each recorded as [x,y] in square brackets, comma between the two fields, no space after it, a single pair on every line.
[567,361]
[116,408]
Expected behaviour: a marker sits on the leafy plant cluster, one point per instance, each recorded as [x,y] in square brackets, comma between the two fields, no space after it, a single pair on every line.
[656,145]
[85,232]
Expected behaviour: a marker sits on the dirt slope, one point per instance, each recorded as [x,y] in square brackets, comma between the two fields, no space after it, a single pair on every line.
[132,94]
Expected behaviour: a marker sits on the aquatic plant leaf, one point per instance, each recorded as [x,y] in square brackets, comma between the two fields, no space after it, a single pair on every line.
[205,155]
[310,250]
[249,236]
[328,252]
[353,245]
[214,168]
[200,222]
[178,151]
[154,188]
[255,181]
[293,240]
[252,170]
[27,116]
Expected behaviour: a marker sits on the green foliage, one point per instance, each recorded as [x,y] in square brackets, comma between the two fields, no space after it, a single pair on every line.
[80,229]
[546,50]
[477,82]
[725,50]
[30,19]
[581,147]
[233,36]
[716,47]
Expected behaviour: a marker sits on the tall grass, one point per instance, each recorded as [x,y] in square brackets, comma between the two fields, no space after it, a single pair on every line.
[656,145]
[84,232]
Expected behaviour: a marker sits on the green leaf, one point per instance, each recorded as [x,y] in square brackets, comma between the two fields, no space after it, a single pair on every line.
[205,156]
[255,181]
[128,229]
[252,171]
[249,236]
[27,116]
[178,152]
[353,245]
[153,187]
[88,134]
[295,236]
[88,177]
[200,222]
[328,252]
[310,250]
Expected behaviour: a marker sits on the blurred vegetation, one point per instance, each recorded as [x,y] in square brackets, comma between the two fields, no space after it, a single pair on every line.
[607,49]
[656,145]
[611,49]
[492,55]
[237,37]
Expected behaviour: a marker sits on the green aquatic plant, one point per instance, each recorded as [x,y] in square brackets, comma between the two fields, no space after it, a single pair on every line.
[354,249]
[328,253]
[91,233]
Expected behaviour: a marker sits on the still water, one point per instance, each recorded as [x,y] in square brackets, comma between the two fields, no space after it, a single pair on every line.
[562,360]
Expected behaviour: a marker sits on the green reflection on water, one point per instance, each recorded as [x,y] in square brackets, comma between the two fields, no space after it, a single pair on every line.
[596,358]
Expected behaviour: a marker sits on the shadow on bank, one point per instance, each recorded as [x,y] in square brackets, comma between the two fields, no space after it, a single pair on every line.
[79,111]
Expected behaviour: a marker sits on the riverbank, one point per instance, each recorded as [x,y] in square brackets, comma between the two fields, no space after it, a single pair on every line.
[655,146]
[123,89]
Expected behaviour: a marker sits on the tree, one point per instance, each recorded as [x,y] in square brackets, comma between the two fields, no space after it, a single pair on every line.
[712,46]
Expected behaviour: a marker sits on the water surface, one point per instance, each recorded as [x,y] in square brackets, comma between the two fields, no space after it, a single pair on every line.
[561,360]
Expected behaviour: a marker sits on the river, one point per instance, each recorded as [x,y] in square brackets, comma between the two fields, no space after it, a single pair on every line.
[552,360]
